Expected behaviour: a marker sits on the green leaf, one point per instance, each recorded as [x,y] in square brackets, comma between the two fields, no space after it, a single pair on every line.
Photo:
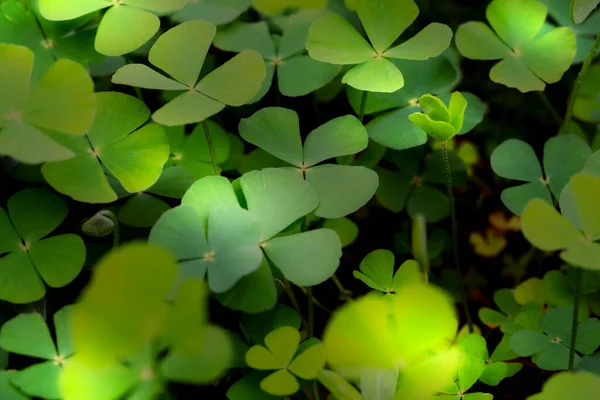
[378,267]
[307,364]
[516,198]
[396,131]
[256,327]
[516,27]
[209,192]
[9,239]
[307,258]
[429,202]
[142,210]
[280,383]
[248,386]
[429,42]
[379,383]
[7,390]
[282,343]
[338,386]
[40,380]
[278,197]
[50,212]
[439,130]
[475,40]
[275,130]
[551,55]
[124,29]
[376,75]
[564,156]
[142,76]
[301,75]
[346,229]
[583,254]
[457,107]
[543,226]
[408,273]
[526,343]
[566,384]
[216,11]
[515,159]
[241,36]
[56,10]
[188,108]
[581,9]
[385,20]
[586,192]
[27,334]
[341,189]
[334,40]
[58,259]
[19,280]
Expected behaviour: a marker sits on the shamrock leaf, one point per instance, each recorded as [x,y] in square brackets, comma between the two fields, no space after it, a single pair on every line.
[551,348]
[568,384]
[581,9]
[546,229]
[528,61]
[509,308]
[377,269]
[180,52]
[31,259]
[134,159]
[126,25]
[218,12]
[63,100]
[412,186]
[274,7]
[438,120]
[587,104]
[7,390]
[346,229]
[564,156]
[22,25]
[585,32]
[28,334]
[297,73]
[281,354]
[561,292]
[341,189]
[334,40]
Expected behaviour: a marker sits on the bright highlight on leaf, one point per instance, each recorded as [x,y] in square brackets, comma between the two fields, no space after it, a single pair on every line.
[126,25]
[180,52]
[528,61]
[334,40]
[63,100]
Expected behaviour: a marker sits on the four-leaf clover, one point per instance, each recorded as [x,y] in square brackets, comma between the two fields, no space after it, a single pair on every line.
[334,40]
[282,354]
[180,52]
[529,61]
[31,259]
[341,189]
[126,25]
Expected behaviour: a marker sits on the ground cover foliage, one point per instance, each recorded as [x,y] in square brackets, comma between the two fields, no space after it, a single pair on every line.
[316,199]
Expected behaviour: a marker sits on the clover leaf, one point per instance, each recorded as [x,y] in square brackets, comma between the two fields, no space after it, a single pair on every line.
[297,73]
[63,100]
[281,354]
[377,269]
[581,9]
[585,32]
[412,186]
[560,289]
[546,229]
[7,390]
[509,308]
[438,120]
[218,12]
[274,7]
[211,232]
[341,189]
[568,384]
[126,25]
[564,156]
[528,61]
[180,52]
[134,159]
[551,348]
[346,229]
[28,334]
[587,104]
[33,259]
[21,24]
[334,40]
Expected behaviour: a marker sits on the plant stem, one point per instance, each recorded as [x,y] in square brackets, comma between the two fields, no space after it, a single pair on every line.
[211,148]
[577,86]
[343,291]
[463,288]
[363,103]
[316,389]
[575,318]
[316,302]
[288,289]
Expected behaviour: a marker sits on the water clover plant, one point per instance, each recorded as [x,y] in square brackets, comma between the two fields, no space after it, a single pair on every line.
[341,189]
[289,358]
[377,272]
[564,156]
[180,52]
[297,73]
[39,380]
[30,259]
[509,308]
[118,128]
[334,40]
[551,348]
[215,236]
[438,120]
[218,12]
[125,26]
[548,230]
[63,100]
[274,7]
[528,61]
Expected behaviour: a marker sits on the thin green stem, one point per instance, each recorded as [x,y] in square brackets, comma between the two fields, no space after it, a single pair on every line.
[550,107]
[577,86]
[363,103]
[344,293]
[211,148]
[575,318]
[316,390]
[290,292]
[463,288]
[110,215]
[316,301]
